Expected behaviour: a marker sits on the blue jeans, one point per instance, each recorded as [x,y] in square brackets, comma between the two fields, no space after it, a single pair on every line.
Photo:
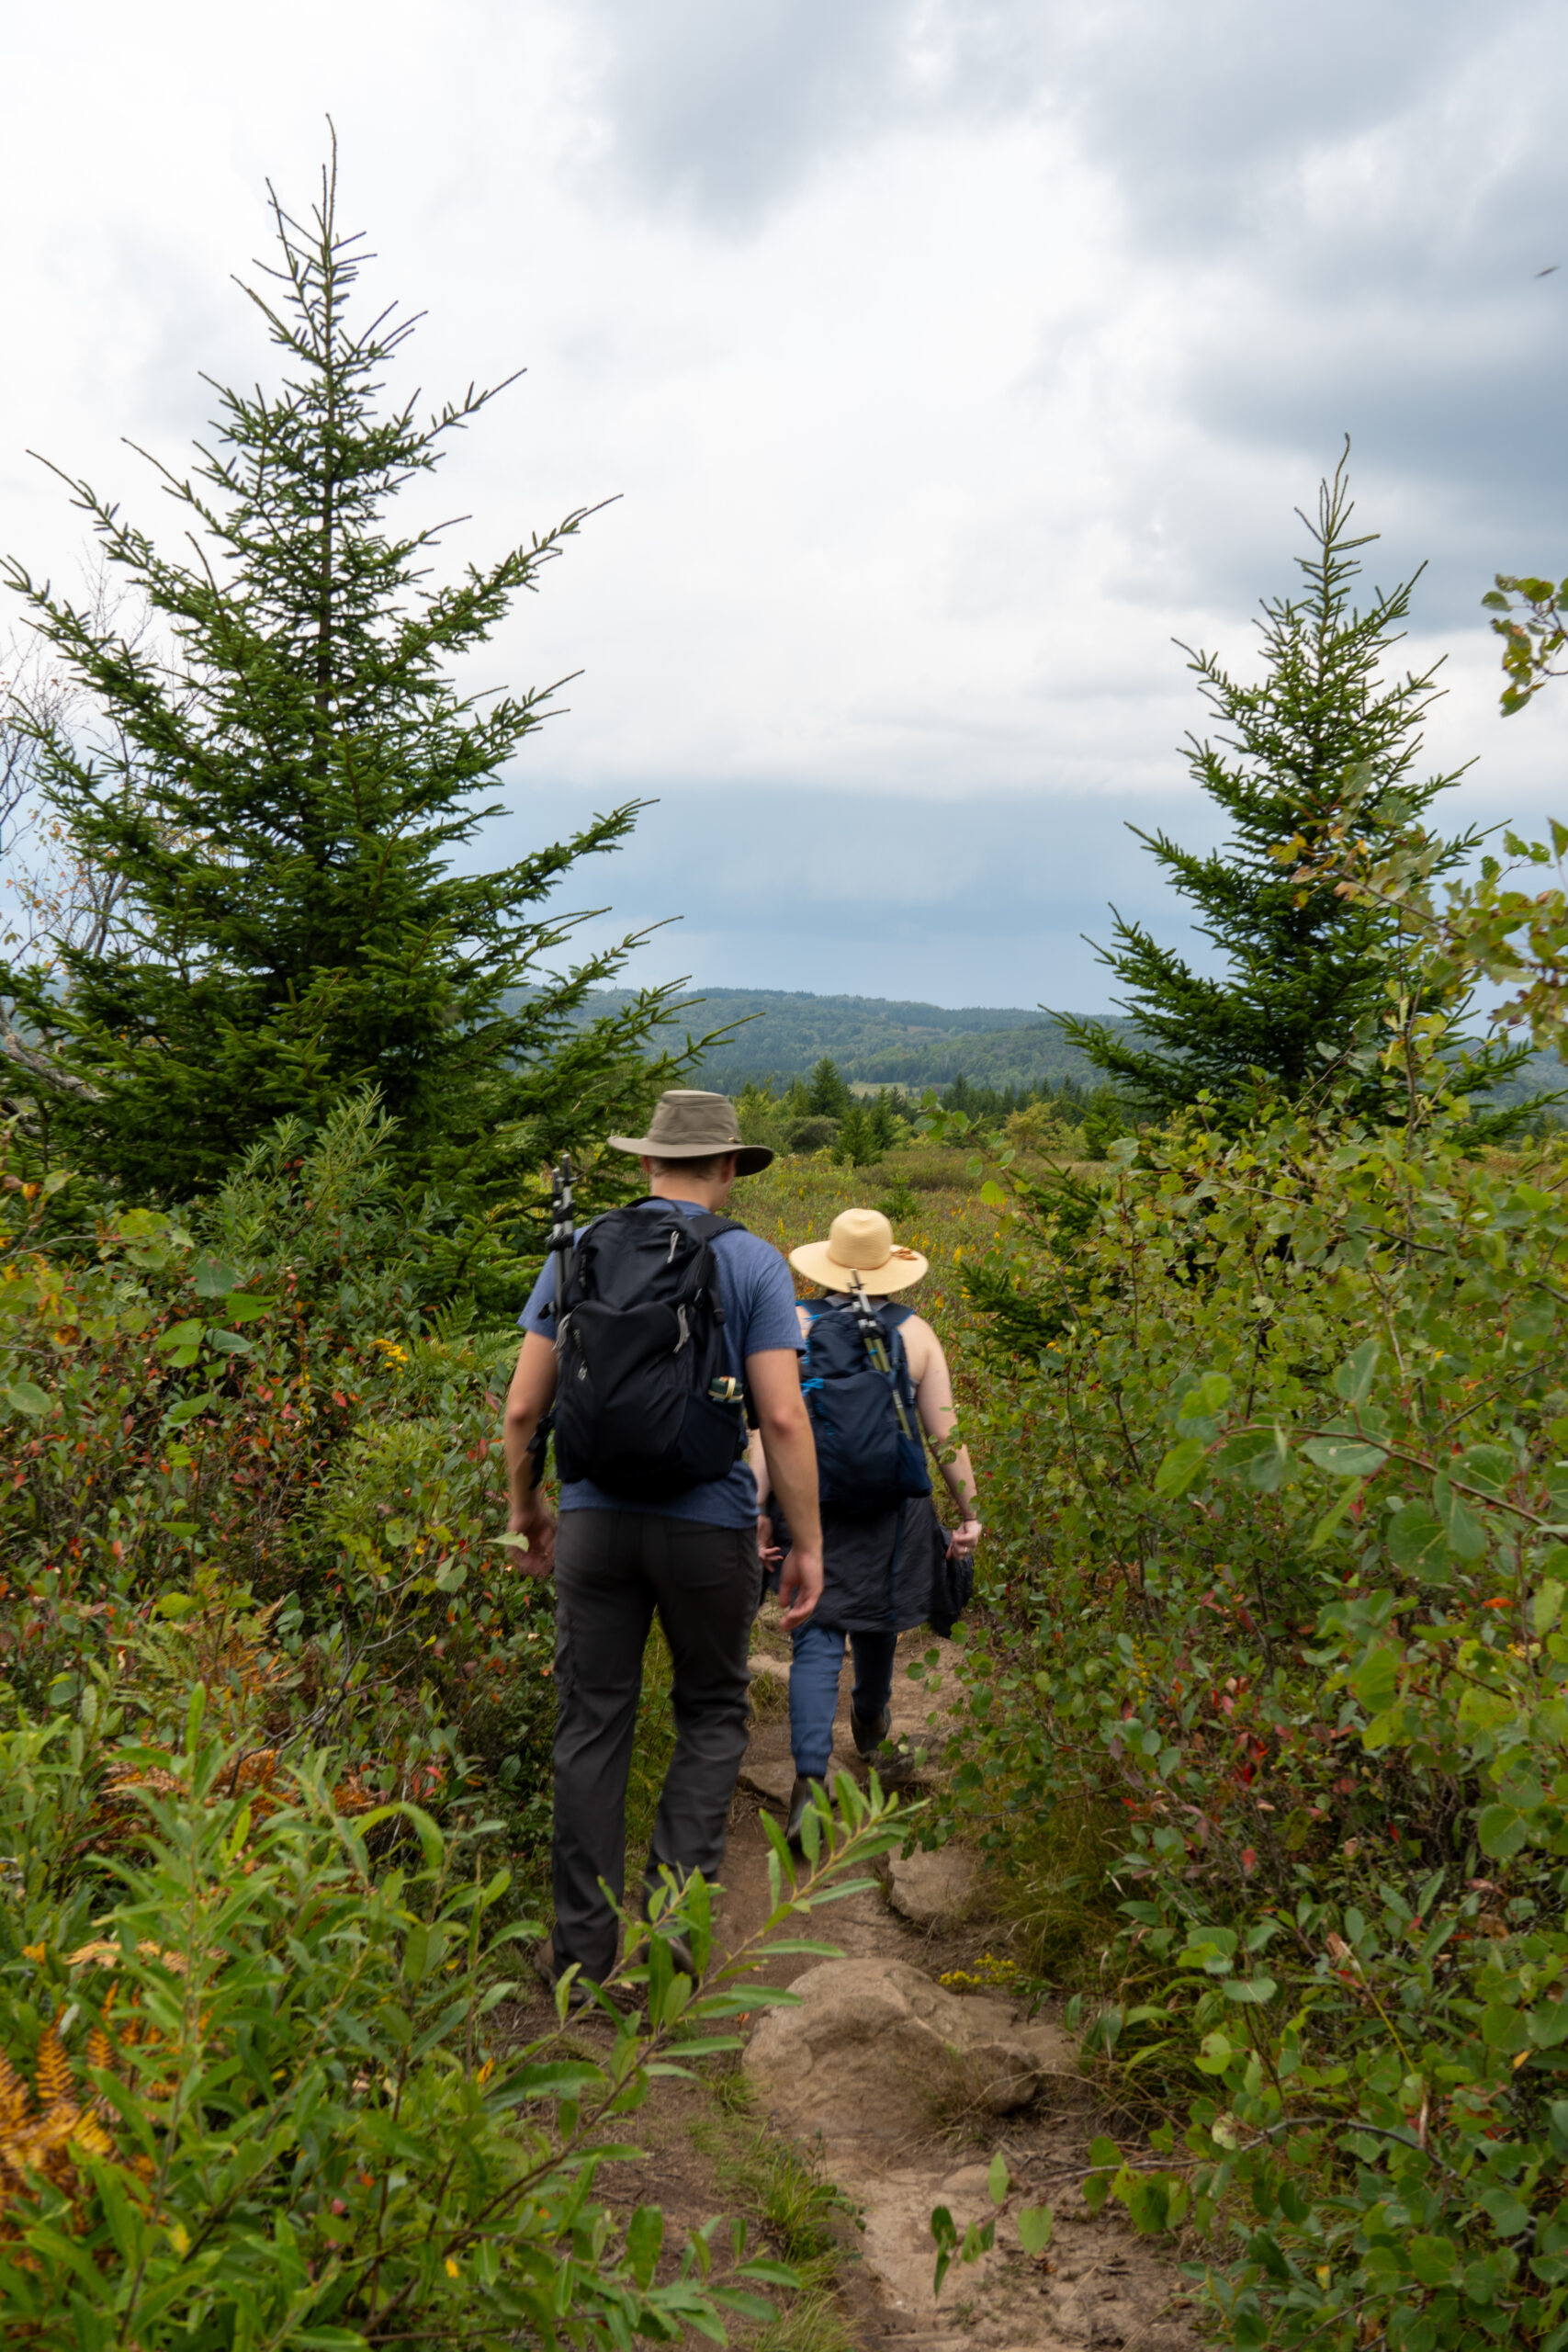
[814,1688]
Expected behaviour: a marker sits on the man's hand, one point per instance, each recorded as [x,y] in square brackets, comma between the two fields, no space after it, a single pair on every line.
[800,1586]
[963,1540]
[767,1550]
[536,1520]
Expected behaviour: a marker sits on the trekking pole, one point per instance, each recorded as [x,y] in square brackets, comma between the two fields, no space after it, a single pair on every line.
[875,1347]
[562,1235]
[562,1240]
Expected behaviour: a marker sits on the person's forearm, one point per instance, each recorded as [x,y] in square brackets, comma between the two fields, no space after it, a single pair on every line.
[791,1456]
[518,1436]
[959,1481]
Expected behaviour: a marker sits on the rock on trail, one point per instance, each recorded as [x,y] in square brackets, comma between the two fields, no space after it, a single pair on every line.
[898,2086]
[877,2051]
[932,1890]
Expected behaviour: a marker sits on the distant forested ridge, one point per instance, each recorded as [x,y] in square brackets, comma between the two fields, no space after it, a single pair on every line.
[782,1034]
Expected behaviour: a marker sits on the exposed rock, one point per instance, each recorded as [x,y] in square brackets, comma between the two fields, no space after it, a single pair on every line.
[931,1889]
[775,1783]
[876,2050]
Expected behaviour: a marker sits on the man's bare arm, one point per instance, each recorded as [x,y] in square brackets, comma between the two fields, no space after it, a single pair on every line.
[785,1427]
[528,1399]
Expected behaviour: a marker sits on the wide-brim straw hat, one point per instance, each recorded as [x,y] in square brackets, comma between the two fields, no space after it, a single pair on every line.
[689,1125]
[859,1241]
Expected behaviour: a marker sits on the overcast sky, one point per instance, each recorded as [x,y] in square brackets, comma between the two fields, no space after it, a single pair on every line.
[947,359]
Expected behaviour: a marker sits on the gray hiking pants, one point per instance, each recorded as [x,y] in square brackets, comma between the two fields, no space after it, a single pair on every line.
[613,1569]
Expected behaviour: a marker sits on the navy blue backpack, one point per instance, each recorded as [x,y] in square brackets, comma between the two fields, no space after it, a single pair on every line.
[868,1457]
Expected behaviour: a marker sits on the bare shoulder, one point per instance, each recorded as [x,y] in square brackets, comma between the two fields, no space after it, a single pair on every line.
[921,1345]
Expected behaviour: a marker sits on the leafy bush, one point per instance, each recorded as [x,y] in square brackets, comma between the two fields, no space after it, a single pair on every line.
[1280,1483]
[272,2100]
[245,1407]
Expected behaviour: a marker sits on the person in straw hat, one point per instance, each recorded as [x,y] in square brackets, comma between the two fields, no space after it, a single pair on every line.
[879,1566]
[692,1559]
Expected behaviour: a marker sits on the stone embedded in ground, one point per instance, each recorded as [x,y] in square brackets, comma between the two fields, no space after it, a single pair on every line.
[775,1783]
[876,2050]
[931,1889]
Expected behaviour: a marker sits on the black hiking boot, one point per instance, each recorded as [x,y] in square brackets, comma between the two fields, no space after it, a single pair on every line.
[582,1997]
[800,1803]
[682,1958]
[680,1950]
[868,1736]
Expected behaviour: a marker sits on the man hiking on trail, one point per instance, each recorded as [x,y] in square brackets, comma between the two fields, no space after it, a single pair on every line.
[877,1380]
[670,1314]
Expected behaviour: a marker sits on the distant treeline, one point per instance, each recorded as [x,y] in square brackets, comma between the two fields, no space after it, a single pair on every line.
[1009,1056]
[776,1036]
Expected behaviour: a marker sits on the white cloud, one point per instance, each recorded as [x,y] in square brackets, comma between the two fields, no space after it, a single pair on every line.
[951,358]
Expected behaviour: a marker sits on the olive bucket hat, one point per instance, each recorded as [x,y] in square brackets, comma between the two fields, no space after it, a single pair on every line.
[687,1124]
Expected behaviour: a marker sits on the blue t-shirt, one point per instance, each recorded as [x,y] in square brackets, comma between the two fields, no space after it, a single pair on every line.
[758,1313]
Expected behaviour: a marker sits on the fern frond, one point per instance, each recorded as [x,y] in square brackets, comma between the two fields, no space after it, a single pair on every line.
[56,2086]
[14,2098]
[89,2134]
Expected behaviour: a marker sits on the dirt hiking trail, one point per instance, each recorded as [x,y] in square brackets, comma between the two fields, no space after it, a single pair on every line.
[903,2090]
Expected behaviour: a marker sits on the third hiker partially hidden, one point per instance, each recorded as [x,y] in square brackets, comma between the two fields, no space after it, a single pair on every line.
[875,1379]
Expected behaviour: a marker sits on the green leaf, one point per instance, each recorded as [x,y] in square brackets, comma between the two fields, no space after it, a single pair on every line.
[1501,1829]
[1375,1678]
[644,2237]
[1417,1541]
[1259,1456]
[771,2273]
[1353,1380]
[1490,1467]
[1345,1457]
[998,2180]
[1255,1989]
[1547,1606]
[1181,1466]
[431,1840]
[1105,2163]
[230,1343]
[1349,1497]
[1148,2203]
[26,1397]
[1466,1536]
[1034,2225]
[188,1407]
[1205,1398]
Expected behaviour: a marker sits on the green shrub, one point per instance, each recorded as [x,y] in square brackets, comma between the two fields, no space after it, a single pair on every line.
[252,2092]
[1275,1481]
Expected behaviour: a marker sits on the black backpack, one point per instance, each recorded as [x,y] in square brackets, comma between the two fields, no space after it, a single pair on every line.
[869,1455]
[644,1405]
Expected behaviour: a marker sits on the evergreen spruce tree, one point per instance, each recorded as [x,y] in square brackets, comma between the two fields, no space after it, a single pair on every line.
[828,1095]
[1305,981]
[286,779]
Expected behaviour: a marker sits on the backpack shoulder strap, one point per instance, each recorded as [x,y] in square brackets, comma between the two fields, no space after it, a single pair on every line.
[708,1226]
